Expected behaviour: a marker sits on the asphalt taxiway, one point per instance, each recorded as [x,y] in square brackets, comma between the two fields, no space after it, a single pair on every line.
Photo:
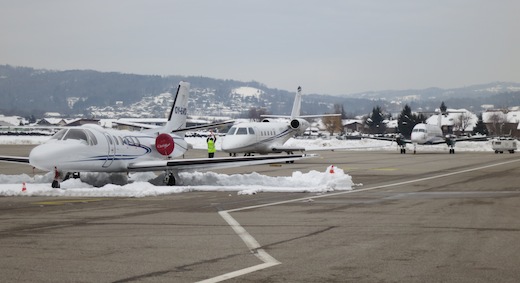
[411,218]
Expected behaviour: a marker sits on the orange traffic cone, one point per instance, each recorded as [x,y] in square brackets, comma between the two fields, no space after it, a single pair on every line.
[331,171]
[23,187]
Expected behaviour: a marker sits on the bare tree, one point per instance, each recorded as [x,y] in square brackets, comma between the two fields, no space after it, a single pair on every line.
[497,122]
[463,121]
[255,113]
[332,124]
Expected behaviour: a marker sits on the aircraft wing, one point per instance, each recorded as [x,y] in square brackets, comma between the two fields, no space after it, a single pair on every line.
[473,138]
[136,124]
[280,149]
[205,126]
[148,126]
[14,159]
[211,163]
[400,141]
[301,116]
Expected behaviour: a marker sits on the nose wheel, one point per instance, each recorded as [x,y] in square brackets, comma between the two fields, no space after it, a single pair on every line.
[169,178]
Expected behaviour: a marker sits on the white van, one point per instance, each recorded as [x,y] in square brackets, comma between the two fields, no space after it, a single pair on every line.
[500,145]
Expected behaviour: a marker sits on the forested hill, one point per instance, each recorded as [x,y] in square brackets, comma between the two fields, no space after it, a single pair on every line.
[26,91]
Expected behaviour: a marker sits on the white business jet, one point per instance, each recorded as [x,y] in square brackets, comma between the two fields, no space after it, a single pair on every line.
[91,148]
[268,136]
[429,134]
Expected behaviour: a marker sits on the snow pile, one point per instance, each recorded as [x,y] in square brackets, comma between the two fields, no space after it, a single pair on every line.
[141,184]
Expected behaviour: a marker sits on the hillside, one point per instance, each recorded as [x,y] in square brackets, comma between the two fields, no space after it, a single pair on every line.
[26,91]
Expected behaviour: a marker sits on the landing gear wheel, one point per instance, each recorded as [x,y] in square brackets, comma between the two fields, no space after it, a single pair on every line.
[452,151]
[169,179]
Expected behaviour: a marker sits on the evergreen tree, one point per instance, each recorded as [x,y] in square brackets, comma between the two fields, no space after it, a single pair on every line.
[443,108]
[375,121]
[406,121]
[480,127]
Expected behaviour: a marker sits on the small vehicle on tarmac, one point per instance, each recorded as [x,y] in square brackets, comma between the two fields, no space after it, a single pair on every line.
[500,145]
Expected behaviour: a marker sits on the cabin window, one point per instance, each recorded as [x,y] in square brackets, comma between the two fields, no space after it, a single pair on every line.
[242,131]
[133,141]
[251,131]
[232,131]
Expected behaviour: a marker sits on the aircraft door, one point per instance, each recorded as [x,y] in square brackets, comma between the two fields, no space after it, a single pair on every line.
[253,132]
[111,151]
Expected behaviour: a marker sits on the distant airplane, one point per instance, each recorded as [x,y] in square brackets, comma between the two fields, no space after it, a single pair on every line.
[91,148]
[428,134]
[268,136]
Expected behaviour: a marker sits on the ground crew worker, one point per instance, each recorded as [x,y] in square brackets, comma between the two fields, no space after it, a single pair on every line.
[211,140]
[56,181]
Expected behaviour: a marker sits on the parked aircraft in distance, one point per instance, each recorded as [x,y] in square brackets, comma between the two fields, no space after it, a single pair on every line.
[91,148]
[429,134]
[268,136]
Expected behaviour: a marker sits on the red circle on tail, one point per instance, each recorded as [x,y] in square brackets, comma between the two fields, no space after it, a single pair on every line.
[164,144]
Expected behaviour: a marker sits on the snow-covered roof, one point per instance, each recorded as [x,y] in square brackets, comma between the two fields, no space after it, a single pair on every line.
[452,118]
[12,120]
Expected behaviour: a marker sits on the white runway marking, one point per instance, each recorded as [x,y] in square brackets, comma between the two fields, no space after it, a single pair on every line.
[267,259]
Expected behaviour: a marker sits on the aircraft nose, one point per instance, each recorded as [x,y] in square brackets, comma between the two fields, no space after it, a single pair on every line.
[43,157]
[225,144]
[230,144]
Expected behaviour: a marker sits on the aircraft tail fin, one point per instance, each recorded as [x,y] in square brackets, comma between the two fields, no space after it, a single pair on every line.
[179,110]
[297,104]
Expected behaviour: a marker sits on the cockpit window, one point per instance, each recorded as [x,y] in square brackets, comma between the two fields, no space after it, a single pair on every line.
[92,137]
[242,131]
[251,131]
[59,135]
[76,134]
[231,131]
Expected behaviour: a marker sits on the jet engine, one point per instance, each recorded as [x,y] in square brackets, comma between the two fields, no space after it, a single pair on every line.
[299,124]
[164,144]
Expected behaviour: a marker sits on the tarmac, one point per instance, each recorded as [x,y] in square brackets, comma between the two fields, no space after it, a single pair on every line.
[428,217]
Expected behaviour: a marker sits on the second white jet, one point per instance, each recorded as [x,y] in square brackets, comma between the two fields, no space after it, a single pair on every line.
[268,136]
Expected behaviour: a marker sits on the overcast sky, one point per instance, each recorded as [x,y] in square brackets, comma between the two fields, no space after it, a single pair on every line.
[329,47]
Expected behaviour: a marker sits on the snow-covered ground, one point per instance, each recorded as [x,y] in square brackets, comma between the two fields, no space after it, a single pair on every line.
[145,184]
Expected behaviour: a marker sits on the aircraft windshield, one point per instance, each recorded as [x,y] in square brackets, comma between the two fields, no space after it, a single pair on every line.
[419,130]
[76,134]
[242,131]
[59,135]
[231,131]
